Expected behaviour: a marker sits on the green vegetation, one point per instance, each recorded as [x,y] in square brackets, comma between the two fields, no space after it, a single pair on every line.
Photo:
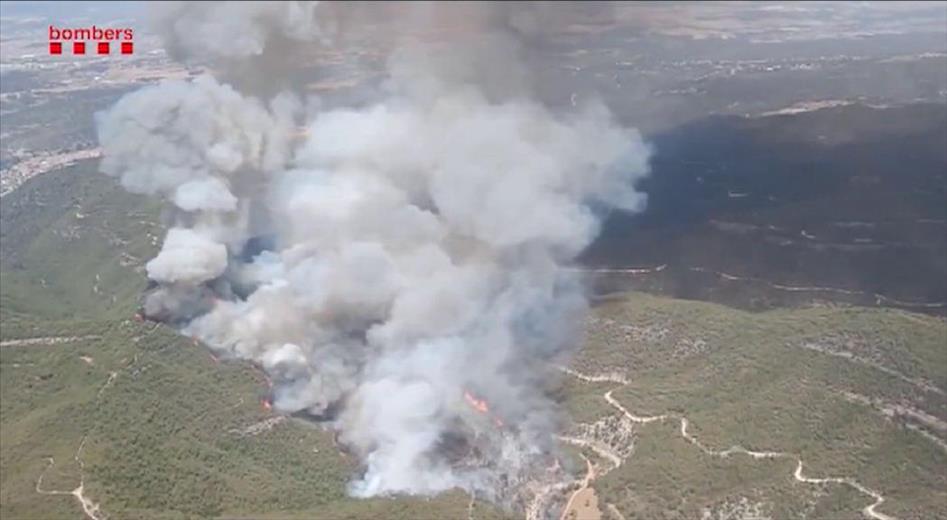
[669,478]
[163,436]
[750,382]
[74,245]
[163,423]
[54,120]
[163,439]
[583,401]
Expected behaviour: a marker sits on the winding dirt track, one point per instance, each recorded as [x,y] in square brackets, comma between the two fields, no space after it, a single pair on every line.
[91,509]
[869,511]
[879,298]
[470,507]
[50,340]
[586,482]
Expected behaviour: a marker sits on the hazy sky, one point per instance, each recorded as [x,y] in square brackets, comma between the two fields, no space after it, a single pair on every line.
[695,19]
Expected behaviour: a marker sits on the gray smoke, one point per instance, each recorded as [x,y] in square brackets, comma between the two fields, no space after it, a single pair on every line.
[415,247]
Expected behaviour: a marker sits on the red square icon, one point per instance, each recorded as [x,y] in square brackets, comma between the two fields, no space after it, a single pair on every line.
[103,47]
[127,47]
[78,47]
[55,47]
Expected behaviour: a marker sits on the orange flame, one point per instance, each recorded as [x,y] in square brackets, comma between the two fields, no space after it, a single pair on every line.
[214,358]
[477,404]
[267,405]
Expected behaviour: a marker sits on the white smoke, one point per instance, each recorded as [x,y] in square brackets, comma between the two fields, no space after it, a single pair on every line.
[415,246]
[234,29]
[188,257]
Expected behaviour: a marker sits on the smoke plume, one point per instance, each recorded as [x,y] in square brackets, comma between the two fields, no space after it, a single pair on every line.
[398,268]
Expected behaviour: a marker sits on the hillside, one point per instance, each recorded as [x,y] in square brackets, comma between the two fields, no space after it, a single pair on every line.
[855,394]
[843,204]
[141,423]
[145,423]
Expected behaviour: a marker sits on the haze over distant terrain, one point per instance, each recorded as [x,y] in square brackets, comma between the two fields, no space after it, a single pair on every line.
[415,260]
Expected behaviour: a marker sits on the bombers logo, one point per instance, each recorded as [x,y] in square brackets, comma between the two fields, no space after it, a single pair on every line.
[102,38]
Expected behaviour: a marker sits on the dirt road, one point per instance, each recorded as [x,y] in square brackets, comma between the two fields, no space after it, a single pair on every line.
[869,511]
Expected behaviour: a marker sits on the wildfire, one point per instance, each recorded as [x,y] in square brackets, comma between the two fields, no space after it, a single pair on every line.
[267,405]
[477,404]
[214,358]
[481,406]
[138,317]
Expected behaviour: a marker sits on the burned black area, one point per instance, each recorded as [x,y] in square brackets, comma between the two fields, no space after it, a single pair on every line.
[848,201]
[329,413]
[455,446]
[850,198]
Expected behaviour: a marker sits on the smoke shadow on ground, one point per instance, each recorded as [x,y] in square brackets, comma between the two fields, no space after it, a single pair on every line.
[845,198]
